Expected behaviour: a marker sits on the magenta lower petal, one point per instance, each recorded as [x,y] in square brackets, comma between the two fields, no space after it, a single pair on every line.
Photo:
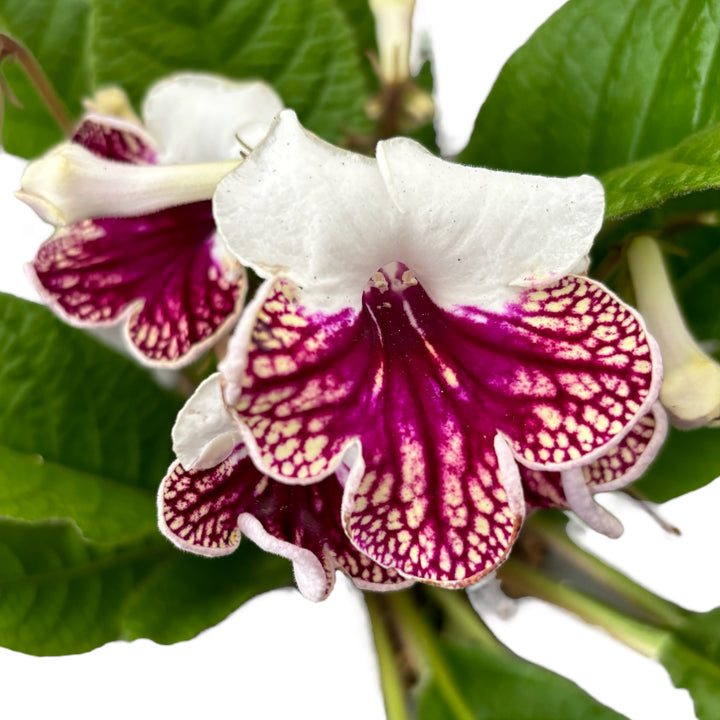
[207,511]
[437,402]
[119,141]
[619,466]
[159,269]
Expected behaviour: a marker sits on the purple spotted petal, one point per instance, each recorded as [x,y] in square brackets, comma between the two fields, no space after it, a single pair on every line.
[619,466]
[433,398]
[207,511]
[115,140]
[159,269]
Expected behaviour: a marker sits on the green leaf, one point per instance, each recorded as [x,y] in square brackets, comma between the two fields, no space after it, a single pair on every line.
[505,687]
[189,593]
[60,594]
[692,657]
[305,48]
[694,267]
[84,432]
[104,510]
[56,32]
[84,444]
[689,459]
[692,166]
[603,84]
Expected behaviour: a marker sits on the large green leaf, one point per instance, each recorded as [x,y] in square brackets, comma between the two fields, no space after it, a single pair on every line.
[84,444]
[688,461]
[691,166]
[103,509]
[504,687]
[603,84]
[78,404]
[692,657]
[305,48]
[189,593]
[60,594]
[55,31]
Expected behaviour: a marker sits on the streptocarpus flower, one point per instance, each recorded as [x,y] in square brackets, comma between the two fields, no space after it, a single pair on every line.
[422,334]
[136,239]
[214,494]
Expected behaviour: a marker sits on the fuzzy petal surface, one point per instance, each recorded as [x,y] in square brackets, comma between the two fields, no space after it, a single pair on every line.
[615,469]
[436,408]
[204,434]
[207,512]
[470,235]
[198,117]
[115,139]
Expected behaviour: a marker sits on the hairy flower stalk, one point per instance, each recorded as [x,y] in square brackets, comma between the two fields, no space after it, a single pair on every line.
[135,238]
[691,386]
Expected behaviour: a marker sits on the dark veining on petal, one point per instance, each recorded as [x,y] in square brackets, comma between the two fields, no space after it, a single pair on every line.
[200,511]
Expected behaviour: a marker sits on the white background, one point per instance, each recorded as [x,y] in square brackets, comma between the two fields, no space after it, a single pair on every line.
[282,657]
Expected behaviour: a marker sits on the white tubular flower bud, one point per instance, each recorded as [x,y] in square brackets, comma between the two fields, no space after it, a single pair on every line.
[71,183]
[393,29]
[691,385]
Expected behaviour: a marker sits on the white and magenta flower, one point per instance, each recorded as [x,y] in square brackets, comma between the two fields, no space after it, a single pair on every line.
[423,336]
[214,494]
[135,236]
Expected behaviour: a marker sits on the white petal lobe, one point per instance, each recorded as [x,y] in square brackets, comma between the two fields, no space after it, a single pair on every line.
[318,214]
[201,118]
[471,233]
[204,434]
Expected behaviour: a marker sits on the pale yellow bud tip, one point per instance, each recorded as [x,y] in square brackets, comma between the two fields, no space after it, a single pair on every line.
[691,386]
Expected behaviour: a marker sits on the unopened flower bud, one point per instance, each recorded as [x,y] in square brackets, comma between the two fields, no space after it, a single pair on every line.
[393,27]
[691,385]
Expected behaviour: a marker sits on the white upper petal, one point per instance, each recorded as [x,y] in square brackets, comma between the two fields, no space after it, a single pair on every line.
[329,218]
[314,212]
[204,434]
[471,233]
[200,118]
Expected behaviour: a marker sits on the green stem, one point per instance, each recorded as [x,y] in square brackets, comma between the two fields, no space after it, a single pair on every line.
[662,611]
[9,47]
[641,637]
[390,676]
[422,637]
[458,608]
